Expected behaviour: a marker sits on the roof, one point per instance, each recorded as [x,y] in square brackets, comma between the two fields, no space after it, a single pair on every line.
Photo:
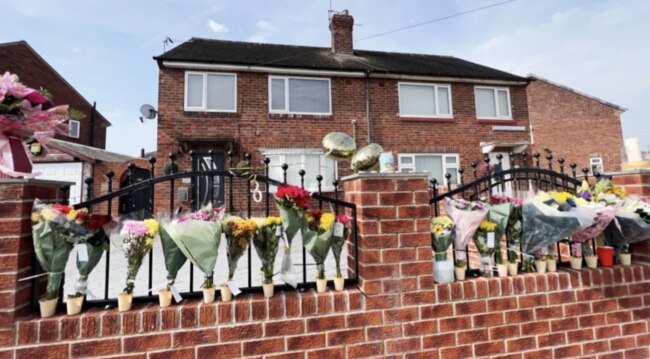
[212,51]
[54,72]
[87,153]
[606,103]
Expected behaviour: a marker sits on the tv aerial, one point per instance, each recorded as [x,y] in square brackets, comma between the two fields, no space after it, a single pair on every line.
[148,112]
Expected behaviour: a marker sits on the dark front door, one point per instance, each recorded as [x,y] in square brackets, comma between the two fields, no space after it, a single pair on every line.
[137,204]
[208,189]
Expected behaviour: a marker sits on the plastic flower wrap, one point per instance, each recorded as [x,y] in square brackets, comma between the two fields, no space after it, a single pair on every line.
[604,216]
[54,236]
[266,241]
[605,191]
[631,225]
[338,240]
[549,217]
[485,240]
[238,235]
[292,201]
[137,241]
[197,235]
[95,247]
[499,213]
[442,234]
[317,237]
[513,227]
[466,217]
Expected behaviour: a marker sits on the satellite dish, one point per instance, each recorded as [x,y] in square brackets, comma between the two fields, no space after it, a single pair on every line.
[148,111]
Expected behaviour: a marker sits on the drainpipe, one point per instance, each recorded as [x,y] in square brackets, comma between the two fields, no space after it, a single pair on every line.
[368,105]
[354,130]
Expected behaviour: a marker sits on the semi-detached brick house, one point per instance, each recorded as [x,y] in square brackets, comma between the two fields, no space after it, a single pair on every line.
[578,127]
[435,113]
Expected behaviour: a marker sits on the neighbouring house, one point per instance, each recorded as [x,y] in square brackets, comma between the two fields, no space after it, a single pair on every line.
[575,126]
[57,161]
[435,113]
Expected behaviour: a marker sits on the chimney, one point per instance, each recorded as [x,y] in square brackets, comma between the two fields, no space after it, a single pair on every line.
[341,29]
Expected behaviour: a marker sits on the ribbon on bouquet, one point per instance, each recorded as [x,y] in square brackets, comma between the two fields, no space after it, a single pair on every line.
[14,159]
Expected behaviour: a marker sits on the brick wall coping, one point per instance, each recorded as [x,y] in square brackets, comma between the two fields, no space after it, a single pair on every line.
[384,175]
[640,171]
[35,181]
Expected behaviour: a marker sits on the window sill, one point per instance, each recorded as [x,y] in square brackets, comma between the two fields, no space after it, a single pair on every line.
[496,122]
[211,114]
[284,116]
[426,119]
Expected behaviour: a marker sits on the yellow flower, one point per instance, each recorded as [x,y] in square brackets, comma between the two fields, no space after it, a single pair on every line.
[149,241]
[244,228]
[273,220]
[72,215]
[561,197]
[309,217]
[326,221]
[152,226]
[48,214]
[443,221]
[581,201]
[36,217]
[437,228]
[488,226]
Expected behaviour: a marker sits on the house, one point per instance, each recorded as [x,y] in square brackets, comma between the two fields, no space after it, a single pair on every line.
[57,161]
[575,126]
[435,113]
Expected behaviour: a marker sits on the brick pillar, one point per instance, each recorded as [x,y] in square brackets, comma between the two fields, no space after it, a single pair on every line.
[634,182]
[393,215]
[16,248]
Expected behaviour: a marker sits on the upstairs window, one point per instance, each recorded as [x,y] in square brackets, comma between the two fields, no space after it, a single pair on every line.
[73,128]
[492,103]
[298,95]
[596,164]
[424,100]
[210,92]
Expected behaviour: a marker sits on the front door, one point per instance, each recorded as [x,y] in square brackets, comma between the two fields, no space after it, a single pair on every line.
[506,189]
[208,189]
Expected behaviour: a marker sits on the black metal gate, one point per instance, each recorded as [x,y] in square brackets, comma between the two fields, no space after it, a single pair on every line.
[137,205]
[207,189]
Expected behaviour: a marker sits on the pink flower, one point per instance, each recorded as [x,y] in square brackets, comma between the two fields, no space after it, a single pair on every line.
[36,99]
[343,219]
[134,228]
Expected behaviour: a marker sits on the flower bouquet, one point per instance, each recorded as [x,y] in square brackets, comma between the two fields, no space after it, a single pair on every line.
[197,235]
[339,237]
[137,241]
[55,231]
[499,212]
[292,201]
[485,238]
[631,225]
[266,241]
[549,217]
[466,217]
[24,111]
[238,236]
[513,228]
[317,238]
[442,234]
[91,250]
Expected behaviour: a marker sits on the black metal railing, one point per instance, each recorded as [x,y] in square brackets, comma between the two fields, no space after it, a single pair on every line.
[234,186]
[520,178]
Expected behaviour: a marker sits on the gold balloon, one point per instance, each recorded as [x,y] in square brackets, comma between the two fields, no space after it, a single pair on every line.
[338,146]
[366,157]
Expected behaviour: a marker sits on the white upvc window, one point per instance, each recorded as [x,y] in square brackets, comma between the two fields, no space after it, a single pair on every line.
[73,128]
[596,164]
[436,164]
[424,100]
[312,161]
[210,92]
[300,95]
[492,103]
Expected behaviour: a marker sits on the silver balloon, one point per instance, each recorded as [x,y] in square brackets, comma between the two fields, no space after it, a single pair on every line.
[366,157]
[338,146]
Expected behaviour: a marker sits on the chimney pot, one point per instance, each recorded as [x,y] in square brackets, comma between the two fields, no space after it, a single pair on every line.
[341,28]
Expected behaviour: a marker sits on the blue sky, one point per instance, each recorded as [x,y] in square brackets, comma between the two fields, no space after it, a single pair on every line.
[105,48]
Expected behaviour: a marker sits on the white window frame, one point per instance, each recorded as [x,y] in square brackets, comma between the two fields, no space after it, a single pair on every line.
[204,100]
[445,167]
[281,153]
[70,128]
[496,102]
[437,102]
[598,162]
[286,95]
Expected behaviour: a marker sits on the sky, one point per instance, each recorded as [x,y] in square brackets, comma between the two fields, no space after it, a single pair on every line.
[105,48]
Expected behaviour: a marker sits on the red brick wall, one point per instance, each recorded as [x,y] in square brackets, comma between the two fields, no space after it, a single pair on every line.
[18,58]
[634,182]
[397,311]
[252,127]
[574,126]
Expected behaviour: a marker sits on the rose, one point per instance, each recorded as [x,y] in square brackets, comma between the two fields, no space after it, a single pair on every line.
[36,98]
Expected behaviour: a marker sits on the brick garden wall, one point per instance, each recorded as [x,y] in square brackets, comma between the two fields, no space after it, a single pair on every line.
[397,311]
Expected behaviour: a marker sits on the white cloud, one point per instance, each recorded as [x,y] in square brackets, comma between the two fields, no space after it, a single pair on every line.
[490,44]
[264,25]
[258,38]
[217,27]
